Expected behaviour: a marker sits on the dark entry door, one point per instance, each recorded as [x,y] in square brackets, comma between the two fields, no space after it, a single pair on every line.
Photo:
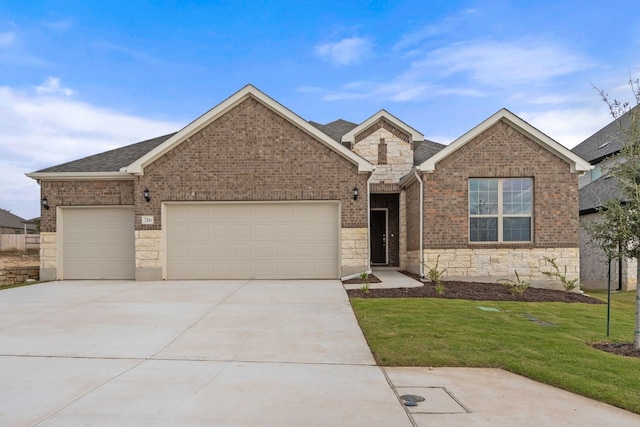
[379,237]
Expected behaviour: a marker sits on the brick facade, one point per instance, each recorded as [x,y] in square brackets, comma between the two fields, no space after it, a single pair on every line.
[501,152]
[82,193]
[252,153]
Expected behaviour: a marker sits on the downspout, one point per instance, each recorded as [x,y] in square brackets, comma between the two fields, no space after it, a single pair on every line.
[421,248]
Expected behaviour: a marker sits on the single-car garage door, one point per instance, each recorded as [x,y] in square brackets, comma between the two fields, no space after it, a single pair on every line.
[252,240]
[98,243]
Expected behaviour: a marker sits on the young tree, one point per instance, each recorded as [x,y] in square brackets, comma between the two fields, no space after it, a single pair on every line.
[618,231]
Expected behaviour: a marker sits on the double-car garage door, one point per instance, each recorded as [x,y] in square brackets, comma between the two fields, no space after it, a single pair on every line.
[252,240]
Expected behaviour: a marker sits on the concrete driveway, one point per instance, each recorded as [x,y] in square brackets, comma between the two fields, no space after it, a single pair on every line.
[232,353]
[237,353]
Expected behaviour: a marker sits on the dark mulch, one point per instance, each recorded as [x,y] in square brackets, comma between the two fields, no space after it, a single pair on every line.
[372,279]
[619,348]
[476,291]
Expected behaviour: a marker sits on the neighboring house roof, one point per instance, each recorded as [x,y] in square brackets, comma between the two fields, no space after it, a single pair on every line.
[594,195]
[137,166]
[9,220]
[577,163]
[104,163]
[335,129]
[607,141]
[426,150]
[413,134]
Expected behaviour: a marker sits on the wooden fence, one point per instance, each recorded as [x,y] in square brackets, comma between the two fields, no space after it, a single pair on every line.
[19,242]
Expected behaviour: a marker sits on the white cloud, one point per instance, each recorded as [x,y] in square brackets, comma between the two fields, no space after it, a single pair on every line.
[569,127]
[504,64]
[52,86]
[346,51]
[7,39]
[45,128]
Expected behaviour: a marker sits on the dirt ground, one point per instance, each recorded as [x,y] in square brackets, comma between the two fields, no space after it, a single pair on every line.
[494,292]
[19,259]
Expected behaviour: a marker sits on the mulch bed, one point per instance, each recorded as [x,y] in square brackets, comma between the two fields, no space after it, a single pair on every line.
[476,291]
[492,292]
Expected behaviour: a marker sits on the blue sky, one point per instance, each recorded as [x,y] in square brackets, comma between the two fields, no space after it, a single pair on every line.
[80,77]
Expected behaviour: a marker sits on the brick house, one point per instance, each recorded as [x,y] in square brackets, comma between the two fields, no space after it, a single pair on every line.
[595,188]
[251,190]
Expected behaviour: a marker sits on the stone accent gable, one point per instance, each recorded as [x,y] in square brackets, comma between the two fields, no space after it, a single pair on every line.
[392,155]
[500,152]
[383,124]
[252,153]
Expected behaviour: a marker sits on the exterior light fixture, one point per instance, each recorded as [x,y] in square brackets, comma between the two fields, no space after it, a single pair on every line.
[355,193]
[45,203]
[146,195]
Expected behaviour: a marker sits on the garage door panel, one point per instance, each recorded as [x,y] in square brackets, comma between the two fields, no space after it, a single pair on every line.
[256,240]
[98,243]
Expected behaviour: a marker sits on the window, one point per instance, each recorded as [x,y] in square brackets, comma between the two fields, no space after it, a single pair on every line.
[500,210]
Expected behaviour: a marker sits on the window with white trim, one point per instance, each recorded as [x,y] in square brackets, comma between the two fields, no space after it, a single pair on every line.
[500,209]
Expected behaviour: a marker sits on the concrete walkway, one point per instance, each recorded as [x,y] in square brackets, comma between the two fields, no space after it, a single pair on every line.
[390,278]
[237,353]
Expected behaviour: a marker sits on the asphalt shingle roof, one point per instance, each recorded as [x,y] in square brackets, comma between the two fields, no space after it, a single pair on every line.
[607,141]
[9,220]
[110,161]
[426,150]
[336,129]
[593,195]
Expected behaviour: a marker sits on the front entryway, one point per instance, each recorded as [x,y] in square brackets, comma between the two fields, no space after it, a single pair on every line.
[379,236]
[384,219]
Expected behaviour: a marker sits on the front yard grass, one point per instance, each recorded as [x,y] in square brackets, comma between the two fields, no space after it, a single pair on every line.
[457,333]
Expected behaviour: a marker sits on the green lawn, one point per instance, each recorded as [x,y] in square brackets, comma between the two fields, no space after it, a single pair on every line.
[441,332]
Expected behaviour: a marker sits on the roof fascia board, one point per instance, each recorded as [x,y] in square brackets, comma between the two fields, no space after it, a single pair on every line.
[577,163]
[137,167]
[79,176]
[351,135]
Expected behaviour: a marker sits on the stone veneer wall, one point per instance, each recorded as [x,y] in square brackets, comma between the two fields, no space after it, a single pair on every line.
[399,156]
[148,247]
[355,251]
[491,265]
[13,275]
[48,256]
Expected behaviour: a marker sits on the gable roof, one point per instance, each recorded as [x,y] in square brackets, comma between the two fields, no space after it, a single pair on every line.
[577,163]
[137,167]
[9,220]
[426,150]
[594,195]
[607,141]
[336,128]
[109,162]
[414,135]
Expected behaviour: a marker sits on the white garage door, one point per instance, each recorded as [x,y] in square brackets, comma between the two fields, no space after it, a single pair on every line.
[98,243]
[252,240]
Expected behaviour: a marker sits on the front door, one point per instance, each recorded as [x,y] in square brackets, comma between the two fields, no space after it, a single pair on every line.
[379,236]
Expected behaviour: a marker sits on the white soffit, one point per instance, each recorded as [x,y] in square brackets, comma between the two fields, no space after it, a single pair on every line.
[577,163]
[137,167]
[415,135]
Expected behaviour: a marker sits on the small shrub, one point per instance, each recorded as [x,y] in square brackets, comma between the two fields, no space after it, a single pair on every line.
[364,280]
[435,276]
[569,285]
[518,286]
